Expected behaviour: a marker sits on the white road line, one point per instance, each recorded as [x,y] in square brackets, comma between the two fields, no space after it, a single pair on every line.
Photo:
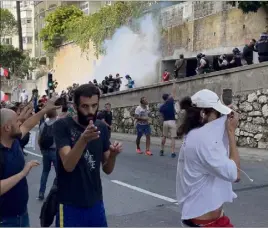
[34,154]
[144,191]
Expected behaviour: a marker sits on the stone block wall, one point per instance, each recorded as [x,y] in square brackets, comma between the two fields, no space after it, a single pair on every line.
[253,125]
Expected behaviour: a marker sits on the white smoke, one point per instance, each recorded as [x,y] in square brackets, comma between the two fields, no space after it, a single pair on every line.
[135,54]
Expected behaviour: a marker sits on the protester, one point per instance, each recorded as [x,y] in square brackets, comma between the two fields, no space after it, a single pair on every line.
[169,125]
[262,47]
[143,126]
[48,150]
[248,51]
[180,67]
[237,58]
[166,76]
[202,64]
[106,117]
[130,83]
[13,170]
[83,144]
[223,62]
[208,161]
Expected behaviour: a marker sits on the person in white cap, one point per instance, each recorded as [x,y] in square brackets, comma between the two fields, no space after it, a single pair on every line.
[208,162]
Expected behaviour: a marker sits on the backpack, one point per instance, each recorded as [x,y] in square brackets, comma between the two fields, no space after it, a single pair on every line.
[50,207]
[46,138]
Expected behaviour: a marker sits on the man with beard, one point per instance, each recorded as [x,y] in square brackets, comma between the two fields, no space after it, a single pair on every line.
[13,171]
[83,145]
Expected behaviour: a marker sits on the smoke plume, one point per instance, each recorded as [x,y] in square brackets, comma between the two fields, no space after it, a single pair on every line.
[136,54]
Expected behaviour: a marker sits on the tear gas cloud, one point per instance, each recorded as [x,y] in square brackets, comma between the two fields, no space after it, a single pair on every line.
[136,54]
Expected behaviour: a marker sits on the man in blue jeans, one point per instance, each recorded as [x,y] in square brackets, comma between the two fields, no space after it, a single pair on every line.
[48,152]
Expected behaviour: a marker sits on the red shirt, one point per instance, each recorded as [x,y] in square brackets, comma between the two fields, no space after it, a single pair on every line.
[166,76]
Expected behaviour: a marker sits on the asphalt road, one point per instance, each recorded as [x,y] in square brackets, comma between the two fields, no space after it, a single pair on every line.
[141,191]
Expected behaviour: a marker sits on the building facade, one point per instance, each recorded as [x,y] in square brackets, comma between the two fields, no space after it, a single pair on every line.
[26,8]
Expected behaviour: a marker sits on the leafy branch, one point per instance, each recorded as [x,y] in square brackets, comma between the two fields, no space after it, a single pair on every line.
[99,26]
[8,24]
[56,24]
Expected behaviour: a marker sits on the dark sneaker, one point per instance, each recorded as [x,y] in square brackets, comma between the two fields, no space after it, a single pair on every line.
[41,196]
[173,155]
[161,153]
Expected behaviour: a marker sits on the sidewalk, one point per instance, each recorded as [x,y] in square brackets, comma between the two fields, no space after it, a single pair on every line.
[249,153]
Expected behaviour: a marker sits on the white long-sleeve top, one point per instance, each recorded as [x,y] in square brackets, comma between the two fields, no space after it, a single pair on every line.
[205,173]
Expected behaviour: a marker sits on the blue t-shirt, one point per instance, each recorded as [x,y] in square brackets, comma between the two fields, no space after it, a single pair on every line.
[168,110]
[14,202]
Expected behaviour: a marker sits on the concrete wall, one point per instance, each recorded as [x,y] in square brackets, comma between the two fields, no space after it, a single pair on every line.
[71,65]
[249,85]
[211,27]
[240,79]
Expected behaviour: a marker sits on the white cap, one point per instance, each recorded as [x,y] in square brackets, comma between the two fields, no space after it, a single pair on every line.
[207,99]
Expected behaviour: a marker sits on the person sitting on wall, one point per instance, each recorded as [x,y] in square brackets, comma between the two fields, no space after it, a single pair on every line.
[237,59]
[202,64]
[130,83]
[165,76]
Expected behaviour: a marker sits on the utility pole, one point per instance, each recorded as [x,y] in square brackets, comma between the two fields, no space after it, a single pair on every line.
[19,25]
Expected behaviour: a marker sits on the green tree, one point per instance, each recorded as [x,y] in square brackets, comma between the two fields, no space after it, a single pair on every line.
[18,62]
[103,24]
[250,6]
[56,24]
[8,24]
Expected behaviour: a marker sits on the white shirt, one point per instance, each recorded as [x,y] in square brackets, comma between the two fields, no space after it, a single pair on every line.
[205,173]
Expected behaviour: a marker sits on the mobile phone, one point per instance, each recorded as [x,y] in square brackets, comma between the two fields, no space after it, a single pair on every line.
[227,96]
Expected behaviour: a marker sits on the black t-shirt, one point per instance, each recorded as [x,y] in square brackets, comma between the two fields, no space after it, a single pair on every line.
[107,116]
[81,187]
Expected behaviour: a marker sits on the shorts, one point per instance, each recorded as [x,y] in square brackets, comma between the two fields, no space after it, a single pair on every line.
[70,216]
[143,130]
[170,126]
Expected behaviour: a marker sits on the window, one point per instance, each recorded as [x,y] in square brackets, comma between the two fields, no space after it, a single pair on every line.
[7,41]
[29,40]
[29,21]
[108,3]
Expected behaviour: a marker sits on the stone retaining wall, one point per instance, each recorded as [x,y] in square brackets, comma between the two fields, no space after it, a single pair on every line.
[252,130]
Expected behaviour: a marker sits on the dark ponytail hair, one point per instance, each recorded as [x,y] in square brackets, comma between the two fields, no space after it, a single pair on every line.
[191,119]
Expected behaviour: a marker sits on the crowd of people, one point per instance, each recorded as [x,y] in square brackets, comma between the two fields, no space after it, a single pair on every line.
[206,64]
[79,145]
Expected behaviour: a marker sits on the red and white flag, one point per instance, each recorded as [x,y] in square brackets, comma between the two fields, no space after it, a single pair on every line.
[3,72]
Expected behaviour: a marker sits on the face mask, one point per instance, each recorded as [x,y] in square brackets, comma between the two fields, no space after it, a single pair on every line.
[84,119]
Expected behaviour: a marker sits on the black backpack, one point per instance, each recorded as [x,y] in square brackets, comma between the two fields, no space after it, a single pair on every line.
[46,138]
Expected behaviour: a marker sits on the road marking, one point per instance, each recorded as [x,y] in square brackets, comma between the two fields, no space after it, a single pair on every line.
[34,154]
[145,191]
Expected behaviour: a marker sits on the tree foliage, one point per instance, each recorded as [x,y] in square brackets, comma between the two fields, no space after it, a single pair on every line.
[19,63]
[8,24]
[249,6]
[53,34]
[102,24]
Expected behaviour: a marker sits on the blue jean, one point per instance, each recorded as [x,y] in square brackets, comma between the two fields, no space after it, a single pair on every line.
[16,221]
[69,216]
[143,130]
[49,156]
